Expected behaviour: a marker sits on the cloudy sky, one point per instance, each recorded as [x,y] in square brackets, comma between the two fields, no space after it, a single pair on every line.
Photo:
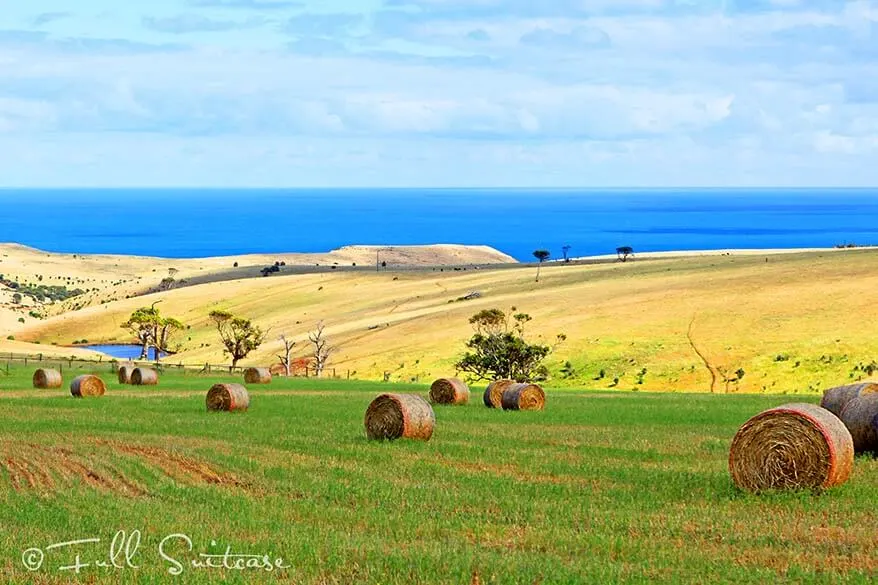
[438,92]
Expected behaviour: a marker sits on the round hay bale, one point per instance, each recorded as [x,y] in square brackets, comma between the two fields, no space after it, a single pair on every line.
[523,397]
[144,377]
[494,393]
[860,416]
[228,397]
[449,391]
[124,373]
[257,376]
[793,446]
[87,385]
[394,416]
[835,399]
[47,378]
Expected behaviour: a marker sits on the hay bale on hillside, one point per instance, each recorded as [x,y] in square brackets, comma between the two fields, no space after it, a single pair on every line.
[144,377]
[449,391]
[860,416]
[87,385]
[394,416]
[523,397]
[257,376]
[493,397]
[791,447]
[835,399]
[47,378]
[228,397]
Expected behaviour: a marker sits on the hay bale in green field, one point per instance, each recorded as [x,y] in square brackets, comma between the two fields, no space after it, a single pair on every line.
[860,416]
[523,397]
[144,377]
[835,399]
[46,378]
[257,376]
[227,397]
[449,391]
[493,397]
[87,385]
[124,372]
[793,446]
[395,416]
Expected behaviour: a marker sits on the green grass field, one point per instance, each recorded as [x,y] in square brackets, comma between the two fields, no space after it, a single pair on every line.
[599,488]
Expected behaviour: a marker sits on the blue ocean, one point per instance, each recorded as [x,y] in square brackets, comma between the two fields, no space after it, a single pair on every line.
[181,223]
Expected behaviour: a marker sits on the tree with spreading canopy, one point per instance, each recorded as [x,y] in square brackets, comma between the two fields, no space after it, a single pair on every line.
[622,252]
[541,256]
[239,336]
[141,324]
[499,350]
[153,330]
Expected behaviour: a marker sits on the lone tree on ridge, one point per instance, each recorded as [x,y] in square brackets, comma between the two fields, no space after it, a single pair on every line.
[623,252]
[542,256]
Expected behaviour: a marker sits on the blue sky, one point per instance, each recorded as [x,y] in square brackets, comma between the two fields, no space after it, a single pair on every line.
[438,93]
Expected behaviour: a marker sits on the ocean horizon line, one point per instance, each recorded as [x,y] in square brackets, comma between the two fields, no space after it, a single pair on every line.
[699,188]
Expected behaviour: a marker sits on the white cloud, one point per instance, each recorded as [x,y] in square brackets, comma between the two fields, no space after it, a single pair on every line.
[478,91]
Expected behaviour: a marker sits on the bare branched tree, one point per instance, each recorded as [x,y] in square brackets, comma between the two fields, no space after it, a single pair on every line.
[286,357]
[704,359]
[322,349]
[723,371]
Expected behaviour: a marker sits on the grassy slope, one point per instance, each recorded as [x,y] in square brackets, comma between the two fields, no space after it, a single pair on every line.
[598,488]
[619,318]
[107,278]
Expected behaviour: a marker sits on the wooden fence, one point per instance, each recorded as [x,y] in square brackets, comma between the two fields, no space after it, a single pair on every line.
[42,359]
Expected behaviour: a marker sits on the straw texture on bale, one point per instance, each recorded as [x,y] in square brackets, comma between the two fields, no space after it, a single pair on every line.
[523,397]
[228,397]
[394,416]
[860,416]
[494,393]
[449,391]
[87,385]
[47,378]
[144,377]
[793,446]
[257,376]
[125,371]
[835,399]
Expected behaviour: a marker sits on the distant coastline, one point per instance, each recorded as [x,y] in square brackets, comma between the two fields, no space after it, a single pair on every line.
[208,223]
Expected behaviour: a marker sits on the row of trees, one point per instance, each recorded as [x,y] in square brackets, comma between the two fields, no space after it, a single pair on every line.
[622,252]
[239,337]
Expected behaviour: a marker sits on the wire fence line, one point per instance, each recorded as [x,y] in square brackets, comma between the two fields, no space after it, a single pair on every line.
[39,359]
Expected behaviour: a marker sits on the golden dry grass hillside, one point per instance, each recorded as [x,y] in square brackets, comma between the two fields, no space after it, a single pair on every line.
[108,278]
[787,323]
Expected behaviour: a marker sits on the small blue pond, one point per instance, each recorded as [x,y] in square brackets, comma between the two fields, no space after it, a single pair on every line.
[126,352]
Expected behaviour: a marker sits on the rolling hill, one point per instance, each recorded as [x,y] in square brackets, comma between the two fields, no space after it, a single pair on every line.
[787,323]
